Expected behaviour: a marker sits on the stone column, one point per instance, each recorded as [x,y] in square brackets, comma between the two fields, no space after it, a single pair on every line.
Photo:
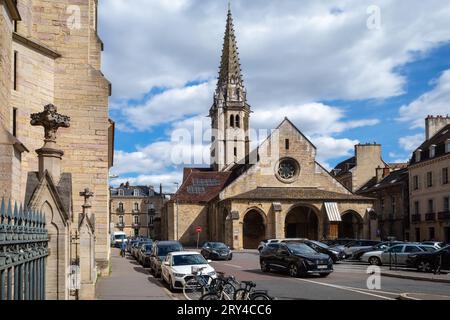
[49,155]
[87,249]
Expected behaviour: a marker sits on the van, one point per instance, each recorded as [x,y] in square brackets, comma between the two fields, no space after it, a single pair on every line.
[117,238]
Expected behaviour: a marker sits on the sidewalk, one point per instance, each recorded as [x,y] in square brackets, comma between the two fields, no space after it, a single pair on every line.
[129,281]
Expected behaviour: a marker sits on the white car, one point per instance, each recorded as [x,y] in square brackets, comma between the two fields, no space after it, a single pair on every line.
[177,268]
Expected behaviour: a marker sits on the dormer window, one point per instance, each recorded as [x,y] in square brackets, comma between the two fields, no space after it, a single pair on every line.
[136,193]
[433,151]
[418,155]
[121,193]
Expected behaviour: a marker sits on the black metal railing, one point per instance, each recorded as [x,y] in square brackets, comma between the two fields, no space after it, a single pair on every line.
[23,250]
[416,218]
[430,216]
[444,215]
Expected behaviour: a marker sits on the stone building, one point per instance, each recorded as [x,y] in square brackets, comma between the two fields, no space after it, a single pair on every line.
[390,188]
[429,183]
[277,190]
[50,54]
[136,210]
[356,171]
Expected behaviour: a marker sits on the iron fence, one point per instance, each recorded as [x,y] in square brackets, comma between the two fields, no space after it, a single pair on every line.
[23,251]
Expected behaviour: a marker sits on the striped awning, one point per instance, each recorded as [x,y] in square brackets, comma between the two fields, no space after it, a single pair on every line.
[333,212]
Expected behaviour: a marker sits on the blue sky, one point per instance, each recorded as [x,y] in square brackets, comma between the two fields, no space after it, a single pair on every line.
[340,71]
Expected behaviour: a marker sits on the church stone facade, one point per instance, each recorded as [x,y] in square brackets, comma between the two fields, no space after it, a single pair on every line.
[51,55]
[275,191]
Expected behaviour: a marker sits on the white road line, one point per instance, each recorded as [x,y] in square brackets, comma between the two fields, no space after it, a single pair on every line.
[357,290]
[232,265]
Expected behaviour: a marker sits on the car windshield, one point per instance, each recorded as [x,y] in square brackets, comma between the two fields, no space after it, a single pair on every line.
[119,236]
[166,249]
[188,259]
[148,247]
[320,244]
[218,245]
[299,248]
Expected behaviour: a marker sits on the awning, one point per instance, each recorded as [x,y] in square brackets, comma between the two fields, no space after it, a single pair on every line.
[333,212]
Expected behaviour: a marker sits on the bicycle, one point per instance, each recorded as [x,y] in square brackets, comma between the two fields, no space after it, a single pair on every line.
[198,286]
[248,293]
[223,288]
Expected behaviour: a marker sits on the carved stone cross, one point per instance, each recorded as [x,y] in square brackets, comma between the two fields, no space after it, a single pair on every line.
[87,194]
[51,121]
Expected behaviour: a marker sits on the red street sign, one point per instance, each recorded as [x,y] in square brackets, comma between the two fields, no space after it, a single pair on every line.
[199,229]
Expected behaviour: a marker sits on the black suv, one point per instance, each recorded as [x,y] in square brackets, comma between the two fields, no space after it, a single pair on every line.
[159,252]
[297,258]
[216,251]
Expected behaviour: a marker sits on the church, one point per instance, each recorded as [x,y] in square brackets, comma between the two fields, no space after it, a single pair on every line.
[278,190]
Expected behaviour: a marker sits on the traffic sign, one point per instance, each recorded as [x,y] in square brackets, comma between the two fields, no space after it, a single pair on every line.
[199,229]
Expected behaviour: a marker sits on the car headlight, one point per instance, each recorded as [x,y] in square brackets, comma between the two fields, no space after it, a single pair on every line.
[178,275]
[215,252]
[212,273]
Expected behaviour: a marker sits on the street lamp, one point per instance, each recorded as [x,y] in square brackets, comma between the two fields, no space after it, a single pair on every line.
[178,185]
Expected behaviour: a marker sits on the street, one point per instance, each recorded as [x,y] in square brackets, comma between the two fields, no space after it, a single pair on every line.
[347,282]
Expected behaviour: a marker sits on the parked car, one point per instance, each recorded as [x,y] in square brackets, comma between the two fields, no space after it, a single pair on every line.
[333,253]
[437,244]
[178,268]
[143,254]
[378,247]
[430,261]
[297,258]
[216,251]
[135,248]
[264,243]
[338,242]
[397,254]
[356,245]
[159,252]
[130,244]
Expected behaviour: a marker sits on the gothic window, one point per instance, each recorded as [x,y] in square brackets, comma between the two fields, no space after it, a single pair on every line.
[288,170]
[235,152]
[232,121]
[286,144]
[238,122]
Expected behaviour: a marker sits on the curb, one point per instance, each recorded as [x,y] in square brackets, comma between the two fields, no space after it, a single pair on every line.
[408,277]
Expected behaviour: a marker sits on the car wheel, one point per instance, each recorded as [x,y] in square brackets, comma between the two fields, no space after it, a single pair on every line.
[264,267]
[375,261]
[230,257]
[293,270]
[171,287]
[424,266]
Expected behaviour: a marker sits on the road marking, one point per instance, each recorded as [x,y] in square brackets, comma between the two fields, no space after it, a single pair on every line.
[232,265]
[357,290]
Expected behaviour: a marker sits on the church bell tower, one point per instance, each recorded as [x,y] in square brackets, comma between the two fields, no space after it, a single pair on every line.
[230,112]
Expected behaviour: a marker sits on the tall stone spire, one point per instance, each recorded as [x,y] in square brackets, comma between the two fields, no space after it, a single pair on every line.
[230,67]
[230,112]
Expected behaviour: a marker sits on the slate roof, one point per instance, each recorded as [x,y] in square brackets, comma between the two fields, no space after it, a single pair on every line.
[394,178]
[439,139]
[344,167]
[292,193]
[201,185]
[128,191]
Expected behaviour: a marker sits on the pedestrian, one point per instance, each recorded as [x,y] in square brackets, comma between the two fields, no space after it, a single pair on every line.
[124,246]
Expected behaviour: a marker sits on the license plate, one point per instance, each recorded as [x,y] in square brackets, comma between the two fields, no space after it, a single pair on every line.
[322,267]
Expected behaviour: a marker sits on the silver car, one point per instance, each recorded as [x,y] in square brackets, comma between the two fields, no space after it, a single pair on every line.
[396,255]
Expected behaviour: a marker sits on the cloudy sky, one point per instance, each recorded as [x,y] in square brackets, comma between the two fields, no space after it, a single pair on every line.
[343,71]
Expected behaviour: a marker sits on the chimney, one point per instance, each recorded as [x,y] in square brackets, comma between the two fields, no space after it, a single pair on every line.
[160,189]
[49,155]
[386,172]
[433,124]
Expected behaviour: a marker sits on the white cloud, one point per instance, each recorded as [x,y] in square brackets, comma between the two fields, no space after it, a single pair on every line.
[167,180]
[329,148]
[291,53]
[434,102]
[410,143]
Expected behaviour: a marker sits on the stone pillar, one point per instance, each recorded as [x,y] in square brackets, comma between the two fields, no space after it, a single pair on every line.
[49,155]
[86,253]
